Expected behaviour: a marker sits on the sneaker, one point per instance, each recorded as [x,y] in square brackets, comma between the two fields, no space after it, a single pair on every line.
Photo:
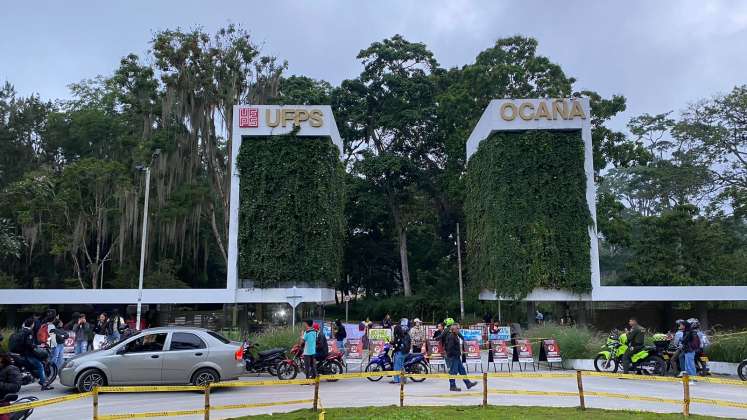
[471,385]
[46,387]
[681,374]
[455,389]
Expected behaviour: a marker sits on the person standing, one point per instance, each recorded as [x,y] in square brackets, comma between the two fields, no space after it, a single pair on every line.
[117,327]
[636,336]
[417,335]
[101,330]
[386,322]
[439,331]
[82,330]
[452,341]
[309,350]
[55,338]
[340,335]
[401,345]
[690,345]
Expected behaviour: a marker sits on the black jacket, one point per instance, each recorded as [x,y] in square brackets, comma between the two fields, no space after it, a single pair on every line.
[10,380]
[403,345]
[340,334]
[636,337]
[452,344]
[28,341]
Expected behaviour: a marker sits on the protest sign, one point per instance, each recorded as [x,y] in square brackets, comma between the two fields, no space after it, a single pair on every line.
[550,351]
[380,334]
[523,352]
[429,331]
[501,333]
[332,346]
[376,346]
[355,348]
[69,345]
[435,352]
[472,335]
[499,351]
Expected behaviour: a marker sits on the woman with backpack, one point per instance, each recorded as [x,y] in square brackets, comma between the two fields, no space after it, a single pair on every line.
[690,345]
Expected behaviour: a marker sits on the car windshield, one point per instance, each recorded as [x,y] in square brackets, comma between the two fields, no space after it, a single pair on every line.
[219,337]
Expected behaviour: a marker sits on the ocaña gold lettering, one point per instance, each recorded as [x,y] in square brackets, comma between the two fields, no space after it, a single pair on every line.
[559,108]
[506,106]
[542,111]
[577,110]
[524,106]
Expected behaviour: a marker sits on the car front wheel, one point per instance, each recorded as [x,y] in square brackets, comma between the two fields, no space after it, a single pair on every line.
[205,377]
[90,379]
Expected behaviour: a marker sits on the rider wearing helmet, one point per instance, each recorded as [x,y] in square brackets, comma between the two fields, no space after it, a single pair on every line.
[635,338]
[702,341]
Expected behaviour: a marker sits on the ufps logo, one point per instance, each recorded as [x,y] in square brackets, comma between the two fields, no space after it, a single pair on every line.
[248,118]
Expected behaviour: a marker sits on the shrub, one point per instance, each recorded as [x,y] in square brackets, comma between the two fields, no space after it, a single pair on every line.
[575,342]
[284,337]
[6,337]
[728,347]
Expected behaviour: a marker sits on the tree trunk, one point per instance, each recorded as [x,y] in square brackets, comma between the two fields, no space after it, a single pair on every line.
[702,309]
[403,261]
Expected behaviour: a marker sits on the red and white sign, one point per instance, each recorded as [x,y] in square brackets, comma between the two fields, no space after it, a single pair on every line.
[500,351]
[355,348]
[248,118]
[552,351]
[435,351]
[473,350]
[332,346]
[376,346]
[524,350]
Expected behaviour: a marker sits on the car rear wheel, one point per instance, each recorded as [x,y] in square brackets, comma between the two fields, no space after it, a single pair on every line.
[90,379]
[205,377]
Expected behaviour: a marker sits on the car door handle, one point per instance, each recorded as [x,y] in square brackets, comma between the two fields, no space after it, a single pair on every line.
[155,356]
[198,354]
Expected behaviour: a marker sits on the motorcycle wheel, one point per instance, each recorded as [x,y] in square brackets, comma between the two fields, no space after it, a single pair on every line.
[50,369]
[742,370]
[419,368]
[287,371]
[25,414]
[602,364]
[653,365]
[333,368]
[273,369]
[374,367]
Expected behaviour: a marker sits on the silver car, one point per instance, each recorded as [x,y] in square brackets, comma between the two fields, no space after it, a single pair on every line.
[169,355]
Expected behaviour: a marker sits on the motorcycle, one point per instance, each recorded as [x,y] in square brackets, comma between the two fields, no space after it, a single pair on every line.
[645,361]
[742,370]
[266,361]
[666,350]
[12,399]
[29,373]
[331,365]
[414,363]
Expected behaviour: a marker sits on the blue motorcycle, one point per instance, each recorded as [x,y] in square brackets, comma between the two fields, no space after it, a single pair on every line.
[414,363]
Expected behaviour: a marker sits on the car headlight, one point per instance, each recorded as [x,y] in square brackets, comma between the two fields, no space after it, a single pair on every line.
[69,364]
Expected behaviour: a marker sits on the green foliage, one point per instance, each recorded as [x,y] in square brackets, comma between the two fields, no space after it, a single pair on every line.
[291,215]
[575,342]
[728,347]
[283,337]
[6,333]
[527,216]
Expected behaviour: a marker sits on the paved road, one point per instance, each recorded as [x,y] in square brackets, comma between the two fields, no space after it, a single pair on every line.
[361,392]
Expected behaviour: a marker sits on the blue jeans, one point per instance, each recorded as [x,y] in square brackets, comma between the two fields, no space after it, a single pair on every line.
[341,346]
[81,347]
[690,363]
[57,355]
[399,364]
[37,364]
[455,368]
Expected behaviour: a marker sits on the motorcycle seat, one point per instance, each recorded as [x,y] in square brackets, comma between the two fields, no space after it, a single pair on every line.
[270,352]
[411,356]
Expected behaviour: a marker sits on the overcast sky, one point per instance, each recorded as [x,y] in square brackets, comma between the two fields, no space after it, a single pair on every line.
[660,55]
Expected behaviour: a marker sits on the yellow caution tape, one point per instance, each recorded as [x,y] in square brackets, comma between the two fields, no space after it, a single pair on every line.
[41,403]
[531,375]
[356,375]
[441,376]
[631,397]
[719,381]
[718,402]
[179,388]
[241,384]
[632,376]
[266,404]
[151,414]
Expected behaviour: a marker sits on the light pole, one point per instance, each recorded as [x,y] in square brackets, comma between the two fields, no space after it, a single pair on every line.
[461,285]
[144,239]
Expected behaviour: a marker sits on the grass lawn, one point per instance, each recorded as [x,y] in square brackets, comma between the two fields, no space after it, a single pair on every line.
[468,413]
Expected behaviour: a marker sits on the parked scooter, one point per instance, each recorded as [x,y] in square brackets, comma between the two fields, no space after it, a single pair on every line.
[332,365]
[414,363]
[12,399]
[646,361]
[266,361]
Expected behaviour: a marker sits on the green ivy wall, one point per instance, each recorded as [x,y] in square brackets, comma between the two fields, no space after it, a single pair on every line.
[291,220]
[526,213]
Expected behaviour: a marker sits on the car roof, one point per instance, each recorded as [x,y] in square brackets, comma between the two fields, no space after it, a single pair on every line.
[176,328]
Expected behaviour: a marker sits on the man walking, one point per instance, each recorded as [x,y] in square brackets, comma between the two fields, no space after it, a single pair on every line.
[452,341]
[309,350]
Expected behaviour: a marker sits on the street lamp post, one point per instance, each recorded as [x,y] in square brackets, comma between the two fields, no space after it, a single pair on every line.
[143,241]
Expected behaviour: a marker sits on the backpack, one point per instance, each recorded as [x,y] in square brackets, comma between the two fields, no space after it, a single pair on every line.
[16,342]
[321,345]
[42,335]
[695,343]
